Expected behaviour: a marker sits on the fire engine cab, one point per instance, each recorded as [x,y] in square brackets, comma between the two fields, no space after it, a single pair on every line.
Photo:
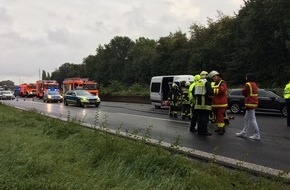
[80,83]
[42,86]
[27,89]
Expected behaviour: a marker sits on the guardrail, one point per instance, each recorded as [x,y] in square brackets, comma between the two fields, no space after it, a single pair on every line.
[131,99]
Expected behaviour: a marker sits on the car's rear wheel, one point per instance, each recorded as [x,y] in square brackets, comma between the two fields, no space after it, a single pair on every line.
[284,111]
[235,108]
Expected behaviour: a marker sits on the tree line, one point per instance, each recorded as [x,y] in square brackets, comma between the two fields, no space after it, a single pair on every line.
[256,39]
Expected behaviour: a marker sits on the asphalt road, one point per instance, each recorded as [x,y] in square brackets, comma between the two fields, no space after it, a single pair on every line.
[143,119]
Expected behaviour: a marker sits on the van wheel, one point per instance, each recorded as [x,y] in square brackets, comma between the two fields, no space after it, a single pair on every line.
[235,108]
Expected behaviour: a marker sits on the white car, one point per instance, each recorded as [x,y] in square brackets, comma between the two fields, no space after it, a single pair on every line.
[7,95]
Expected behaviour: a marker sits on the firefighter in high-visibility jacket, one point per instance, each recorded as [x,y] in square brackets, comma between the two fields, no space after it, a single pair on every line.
[287,98]
[185,110]
[202,93]
[219,101]
[192,103]
[174,98]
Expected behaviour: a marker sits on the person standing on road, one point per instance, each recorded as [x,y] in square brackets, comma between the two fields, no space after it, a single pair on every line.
[173,98]
[202,93]
[192,103]
[250,92]
[287,98]
[219,101]
[185,111]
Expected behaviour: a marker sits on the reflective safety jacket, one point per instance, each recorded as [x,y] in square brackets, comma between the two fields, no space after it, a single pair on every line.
[202,101]
[250,92]
[287,91]
[174,97]
[185,95]
[220,99]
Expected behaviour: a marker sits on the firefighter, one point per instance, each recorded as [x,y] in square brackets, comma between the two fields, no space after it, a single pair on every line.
[202,93]
[192,103]
[219,101]
[185,110]
[287,98]
[173,98]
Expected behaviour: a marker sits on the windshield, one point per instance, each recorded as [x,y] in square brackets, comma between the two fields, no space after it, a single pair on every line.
[83,93]
[53,93]
[6,92]
[32,86]
[52,86]
[90,86]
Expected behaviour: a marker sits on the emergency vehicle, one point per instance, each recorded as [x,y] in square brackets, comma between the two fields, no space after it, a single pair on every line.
[27,90]
[43,86]
[160,87]
[78,83]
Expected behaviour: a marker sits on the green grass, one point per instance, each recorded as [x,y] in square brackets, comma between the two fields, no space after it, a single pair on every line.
[37,152]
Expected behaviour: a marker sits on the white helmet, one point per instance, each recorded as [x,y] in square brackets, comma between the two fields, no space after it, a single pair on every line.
[212,74]
[203,74]
[187,83]
[174,85]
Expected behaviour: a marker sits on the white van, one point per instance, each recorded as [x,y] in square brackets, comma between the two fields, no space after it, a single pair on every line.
[160,87]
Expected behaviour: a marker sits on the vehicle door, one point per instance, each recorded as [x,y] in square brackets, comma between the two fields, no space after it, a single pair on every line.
[268,100]
[155,93]
[69,97]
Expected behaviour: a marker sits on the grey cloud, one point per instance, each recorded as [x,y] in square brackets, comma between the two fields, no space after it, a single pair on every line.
[60,35]
[4,17]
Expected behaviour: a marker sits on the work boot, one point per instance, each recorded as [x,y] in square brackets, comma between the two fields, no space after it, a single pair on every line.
[192,129]
[218,129]
[221,130]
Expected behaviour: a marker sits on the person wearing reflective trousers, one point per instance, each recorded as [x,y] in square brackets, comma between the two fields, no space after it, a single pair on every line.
[202,95]
[250,92]
[219,101]
[192,103]
[174,98]
[287,98]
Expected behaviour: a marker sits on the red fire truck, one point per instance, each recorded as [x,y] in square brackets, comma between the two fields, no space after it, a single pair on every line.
[80,83]
[43,86]
[27,89]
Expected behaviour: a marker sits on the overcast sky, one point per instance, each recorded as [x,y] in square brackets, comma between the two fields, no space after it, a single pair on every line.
[43,34]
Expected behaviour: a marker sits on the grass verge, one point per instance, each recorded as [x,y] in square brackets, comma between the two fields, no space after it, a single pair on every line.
[38,152]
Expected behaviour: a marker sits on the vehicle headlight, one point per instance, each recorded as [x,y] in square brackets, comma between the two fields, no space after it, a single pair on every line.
[49,96]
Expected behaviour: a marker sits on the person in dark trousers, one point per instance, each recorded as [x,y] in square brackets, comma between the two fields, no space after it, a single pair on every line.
[202,93]
[174,98]
[287,98]
[194,115]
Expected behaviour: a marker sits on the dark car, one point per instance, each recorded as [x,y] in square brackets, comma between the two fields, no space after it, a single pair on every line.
[268,101]
[81,98]
[52,96]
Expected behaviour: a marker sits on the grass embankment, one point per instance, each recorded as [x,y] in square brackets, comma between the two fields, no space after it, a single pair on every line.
[37,152]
